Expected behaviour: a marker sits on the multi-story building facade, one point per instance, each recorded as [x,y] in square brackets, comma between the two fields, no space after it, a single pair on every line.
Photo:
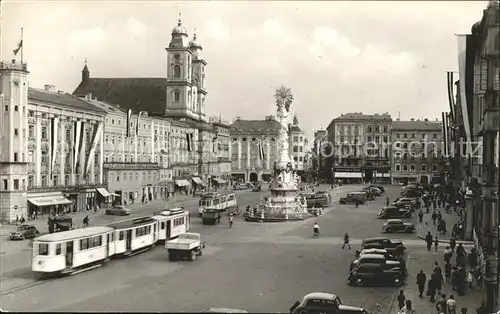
[52,148]
[247,136]
[191,155]
[222,148]
[359,147]
[298,145]
[320,153]
[416,151]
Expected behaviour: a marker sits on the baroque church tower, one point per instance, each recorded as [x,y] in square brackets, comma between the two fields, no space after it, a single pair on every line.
[185,77]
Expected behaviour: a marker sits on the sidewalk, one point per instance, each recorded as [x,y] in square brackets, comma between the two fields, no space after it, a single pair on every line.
[450,218]
[421,259]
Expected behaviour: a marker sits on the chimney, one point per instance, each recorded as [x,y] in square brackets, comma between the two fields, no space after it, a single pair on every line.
[426,120]
[238,118]
[60,92]
[49,88]
[412,119]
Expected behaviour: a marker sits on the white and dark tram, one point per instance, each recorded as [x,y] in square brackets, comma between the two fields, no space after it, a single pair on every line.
[83,249]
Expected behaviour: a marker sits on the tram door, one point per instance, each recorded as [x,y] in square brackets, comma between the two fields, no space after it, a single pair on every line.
[169,229]
[129,240]
[108,244]
[154,233]
[69,254]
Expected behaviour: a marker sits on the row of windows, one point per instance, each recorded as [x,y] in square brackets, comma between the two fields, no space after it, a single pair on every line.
[413,135]
[16,186]
[297,138]
[16,108]
[356,128]
[244,139]
[139,232]
[412,167]
[44,180]
[179,221]
[89,243]
[298,149]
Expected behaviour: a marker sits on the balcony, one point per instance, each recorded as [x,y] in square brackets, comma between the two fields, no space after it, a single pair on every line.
[13,66]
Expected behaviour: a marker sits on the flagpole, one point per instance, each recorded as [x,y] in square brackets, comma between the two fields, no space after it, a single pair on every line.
[22,45]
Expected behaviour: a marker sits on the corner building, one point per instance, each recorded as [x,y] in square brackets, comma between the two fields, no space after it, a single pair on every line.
[51,146]
[175,139]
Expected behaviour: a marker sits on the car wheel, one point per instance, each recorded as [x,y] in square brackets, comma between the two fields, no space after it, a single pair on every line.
[359,281]
[107,212]
[22,237]
[398,282]
[388,230]
[409,230]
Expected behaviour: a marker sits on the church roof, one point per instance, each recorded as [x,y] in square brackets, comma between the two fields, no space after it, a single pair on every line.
[62,99]
[138,94]
[295,128]
[254,126]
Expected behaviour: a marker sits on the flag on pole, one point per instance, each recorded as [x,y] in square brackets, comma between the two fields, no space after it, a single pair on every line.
[465,55]
[451,94]
[261,150]
[137,123]
[19,47]
[129,120]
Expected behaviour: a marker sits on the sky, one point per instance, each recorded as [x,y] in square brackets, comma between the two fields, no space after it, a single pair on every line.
[337,57]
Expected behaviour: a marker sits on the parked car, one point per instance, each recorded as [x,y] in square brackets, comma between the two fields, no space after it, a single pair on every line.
[389,212]
[397,225]
[353,198]
[372,190]
[375,274]
[378,259]
[395,247]
[317,200]
[383,252]
[118,210]
[326,195]
[403,202]
[24,232]
[381,188]
[320,302]
[411,193]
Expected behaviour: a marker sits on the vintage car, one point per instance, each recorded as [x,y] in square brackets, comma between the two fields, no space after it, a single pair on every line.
[24,232]
[395,247]
[386,263]
[118,210]
[320,302]
[389,212]
[354,197]
[375,274]
[60,223]
[397,225]
[257,187]
[405,202]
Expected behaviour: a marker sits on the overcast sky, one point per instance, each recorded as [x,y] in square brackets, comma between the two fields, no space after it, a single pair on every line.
[337,57]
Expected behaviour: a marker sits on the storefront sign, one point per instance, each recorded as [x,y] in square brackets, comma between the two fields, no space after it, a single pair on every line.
[346,169]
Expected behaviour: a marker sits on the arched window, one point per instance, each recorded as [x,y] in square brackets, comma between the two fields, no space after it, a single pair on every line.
[177,96]
[177,71]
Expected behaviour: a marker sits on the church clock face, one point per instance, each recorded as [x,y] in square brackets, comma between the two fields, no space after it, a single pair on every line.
[177,56]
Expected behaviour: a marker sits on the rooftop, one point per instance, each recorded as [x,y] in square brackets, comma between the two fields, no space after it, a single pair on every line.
[254,126]
[129,223]
[138,94]
[417,125]
[362,116]
[73,234]
[62,99]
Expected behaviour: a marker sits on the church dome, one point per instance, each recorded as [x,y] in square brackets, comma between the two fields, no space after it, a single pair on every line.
[179,29]
[194,43]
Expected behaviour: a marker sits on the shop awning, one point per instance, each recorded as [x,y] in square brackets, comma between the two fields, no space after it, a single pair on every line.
[197,181]
[181,183]
[114,194]
[346,175]
[103,192]
[382,175]
[48,199]
[220,180]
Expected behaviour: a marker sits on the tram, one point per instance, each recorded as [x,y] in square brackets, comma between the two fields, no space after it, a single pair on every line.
[217,202]
[74,251]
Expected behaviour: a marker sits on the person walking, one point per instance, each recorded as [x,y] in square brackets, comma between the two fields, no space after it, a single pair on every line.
[408,308]
[453,243]
[441,304]
[436,243]
[401,299]
[420,216]
[346,241]
[434,217]
[316,230]
[451,305]
[470,278]
[428,240]
[447,271]
[86,221]
[421,280]
[231,220]
[431,287]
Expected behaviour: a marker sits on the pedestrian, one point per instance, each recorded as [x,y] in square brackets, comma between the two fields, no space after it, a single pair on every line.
[437,278]
[470,278]
[453,243]
[421,280]
[447,271]
[454,278]
[387,200]
[434,217]
[428,240]
[407,309]
[441,304]
[346,241]
[436,243]
[86,221]
[464,310]
[420,216]
[451,305]
[461,250]
[231,220]
[22,220]
[401,299]
[448,254]
[17,220]
[431,287]
[434,204]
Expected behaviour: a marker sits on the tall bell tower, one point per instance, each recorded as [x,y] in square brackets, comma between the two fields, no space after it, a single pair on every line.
[198,77]
[180,99]
[13,141]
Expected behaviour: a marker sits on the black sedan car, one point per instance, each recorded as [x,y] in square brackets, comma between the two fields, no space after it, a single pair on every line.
[24,232]
[395,247]
[374,274]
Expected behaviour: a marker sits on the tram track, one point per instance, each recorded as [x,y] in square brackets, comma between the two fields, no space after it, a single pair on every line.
[24,286]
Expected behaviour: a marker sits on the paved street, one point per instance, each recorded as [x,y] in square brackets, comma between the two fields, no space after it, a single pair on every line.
[253,266]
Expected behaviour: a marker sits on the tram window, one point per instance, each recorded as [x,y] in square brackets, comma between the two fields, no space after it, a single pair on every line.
[162,225]
[216,202]
[43,249]
[181,221]
[121,236]
[84,244]
[149,229]
[58,249]
[231,197]
[112,236]
[97,241]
